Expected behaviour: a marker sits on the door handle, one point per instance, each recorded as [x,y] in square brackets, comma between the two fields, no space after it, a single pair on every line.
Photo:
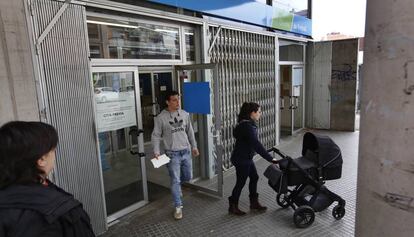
[134,131]
[140,154]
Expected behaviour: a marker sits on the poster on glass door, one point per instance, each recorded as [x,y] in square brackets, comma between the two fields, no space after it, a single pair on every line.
[117,113]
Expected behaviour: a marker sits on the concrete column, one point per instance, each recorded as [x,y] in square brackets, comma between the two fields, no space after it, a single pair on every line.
[18,99]
[343,84]
[318,82]
[385,193]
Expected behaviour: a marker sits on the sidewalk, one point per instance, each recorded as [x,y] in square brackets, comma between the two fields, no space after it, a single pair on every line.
[207,216]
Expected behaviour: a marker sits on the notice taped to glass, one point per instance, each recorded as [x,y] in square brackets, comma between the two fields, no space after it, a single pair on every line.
[116,114]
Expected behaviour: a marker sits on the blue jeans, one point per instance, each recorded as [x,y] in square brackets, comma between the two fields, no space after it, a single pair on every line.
[180,170]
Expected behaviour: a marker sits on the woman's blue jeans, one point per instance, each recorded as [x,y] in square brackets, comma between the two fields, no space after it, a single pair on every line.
[180,170]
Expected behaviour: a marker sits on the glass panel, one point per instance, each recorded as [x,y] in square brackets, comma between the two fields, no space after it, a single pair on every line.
[131,40]
[93,33]
[285,97]
[153,85]
[189,44]
[162,84]
[297,97]
[146,104]
[204,167]
[116,119]
[292,53]
[95,51]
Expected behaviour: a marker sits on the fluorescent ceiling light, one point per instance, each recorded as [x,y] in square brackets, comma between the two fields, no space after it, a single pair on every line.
[111,24]
[168,31]
[189,33]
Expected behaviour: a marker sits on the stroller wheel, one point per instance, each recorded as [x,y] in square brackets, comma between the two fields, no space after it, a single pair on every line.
[281,200]
[303,216]
[338,212]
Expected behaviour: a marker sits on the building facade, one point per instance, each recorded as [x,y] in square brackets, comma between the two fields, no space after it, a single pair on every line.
[98,70]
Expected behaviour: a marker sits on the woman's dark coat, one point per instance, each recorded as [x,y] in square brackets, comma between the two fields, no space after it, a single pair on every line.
[37,210]
[247,144]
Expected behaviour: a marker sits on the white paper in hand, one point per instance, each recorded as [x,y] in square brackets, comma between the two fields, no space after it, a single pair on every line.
[162,160]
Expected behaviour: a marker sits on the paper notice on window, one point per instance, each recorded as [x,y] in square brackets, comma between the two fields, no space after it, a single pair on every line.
[162,160]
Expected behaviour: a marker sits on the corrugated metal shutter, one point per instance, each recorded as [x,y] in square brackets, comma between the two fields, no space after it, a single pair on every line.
[68,98]
[246,72]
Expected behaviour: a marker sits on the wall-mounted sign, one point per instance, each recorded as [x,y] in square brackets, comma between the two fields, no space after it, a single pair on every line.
[196,97]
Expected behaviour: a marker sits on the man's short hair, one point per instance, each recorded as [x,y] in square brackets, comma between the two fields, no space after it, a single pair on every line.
[169,94]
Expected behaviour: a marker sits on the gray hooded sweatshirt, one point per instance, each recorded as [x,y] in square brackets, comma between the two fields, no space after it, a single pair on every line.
[175,129]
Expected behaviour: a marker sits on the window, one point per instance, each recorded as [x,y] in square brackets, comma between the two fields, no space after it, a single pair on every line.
[189,44]
[131,40]
[290,52]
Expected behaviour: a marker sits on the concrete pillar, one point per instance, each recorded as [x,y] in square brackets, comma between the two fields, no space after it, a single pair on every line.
[18,99]
[385,193]
[343,84]
[318,81]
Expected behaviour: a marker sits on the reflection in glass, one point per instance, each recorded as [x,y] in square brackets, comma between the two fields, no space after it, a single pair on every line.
[189,44]
[297,97]
[146,105]
[116,120]
[291,52]
[131,40]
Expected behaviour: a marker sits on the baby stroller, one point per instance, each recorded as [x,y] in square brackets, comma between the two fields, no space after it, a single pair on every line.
[299,182]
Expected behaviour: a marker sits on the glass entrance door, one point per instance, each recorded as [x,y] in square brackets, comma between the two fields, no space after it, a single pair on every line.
[286,101]
[207,168]
[297,98]
[291,99]
[120,138]
[153,86]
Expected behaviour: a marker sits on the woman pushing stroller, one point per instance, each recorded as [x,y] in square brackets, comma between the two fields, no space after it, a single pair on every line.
[247,144]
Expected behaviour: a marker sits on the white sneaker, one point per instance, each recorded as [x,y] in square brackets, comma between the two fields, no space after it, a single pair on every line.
[178,214]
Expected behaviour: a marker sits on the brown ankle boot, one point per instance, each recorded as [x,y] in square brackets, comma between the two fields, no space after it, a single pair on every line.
[254,203]
[234,208]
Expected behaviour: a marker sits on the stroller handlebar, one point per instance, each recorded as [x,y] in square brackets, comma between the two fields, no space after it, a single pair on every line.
[277,151]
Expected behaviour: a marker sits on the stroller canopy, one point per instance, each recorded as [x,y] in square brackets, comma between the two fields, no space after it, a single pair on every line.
[328,154]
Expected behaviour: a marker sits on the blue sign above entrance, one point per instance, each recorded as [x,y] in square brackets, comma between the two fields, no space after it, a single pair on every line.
[248,11]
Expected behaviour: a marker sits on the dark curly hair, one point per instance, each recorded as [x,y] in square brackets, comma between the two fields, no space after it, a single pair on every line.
[246,109]
[168,95]
[21,145]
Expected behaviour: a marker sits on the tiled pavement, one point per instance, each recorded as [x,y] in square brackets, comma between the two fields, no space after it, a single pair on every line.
[207,216]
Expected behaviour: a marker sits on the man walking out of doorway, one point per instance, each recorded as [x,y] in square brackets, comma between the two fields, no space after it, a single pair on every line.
[173,126]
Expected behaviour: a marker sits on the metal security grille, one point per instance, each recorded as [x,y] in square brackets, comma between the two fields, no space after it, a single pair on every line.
[67,99]
[246,72]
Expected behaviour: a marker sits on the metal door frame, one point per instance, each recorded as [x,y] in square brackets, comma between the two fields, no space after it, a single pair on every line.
[217,126]
[140,139]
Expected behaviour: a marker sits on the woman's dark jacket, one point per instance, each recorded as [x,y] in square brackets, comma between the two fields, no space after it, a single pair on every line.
[38,210]
[247,144]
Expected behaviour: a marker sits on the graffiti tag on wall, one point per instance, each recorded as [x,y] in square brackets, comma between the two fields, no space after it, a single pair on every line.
[346,73]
